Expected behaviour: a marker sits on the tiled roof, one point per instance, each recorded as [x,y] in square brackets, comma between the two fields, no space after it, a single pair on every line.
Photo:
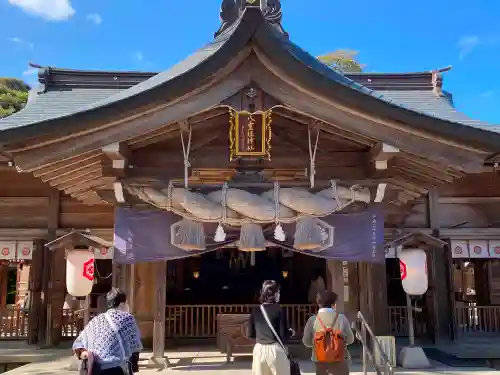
[55,103]
[58,102]
[69,92]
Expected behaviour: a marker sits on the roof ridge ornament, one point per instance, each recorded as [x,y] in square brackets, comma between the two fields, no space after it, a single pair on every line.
[231,10]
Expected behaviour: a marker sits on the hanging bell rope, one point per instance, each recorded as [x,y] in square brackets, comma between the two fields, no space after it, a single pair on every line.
[312,152]
[191,235]
[251,238]
[307,234]
[279,233]
[185,152]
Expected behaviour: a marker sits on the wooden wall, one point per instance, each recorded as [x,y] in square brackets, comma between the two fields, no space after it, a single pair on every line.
[24,203]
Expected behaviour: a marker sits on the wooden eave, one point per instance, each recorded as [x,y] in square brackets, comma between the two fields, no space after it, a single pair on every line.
[77,239]
[89,177]
[416,239]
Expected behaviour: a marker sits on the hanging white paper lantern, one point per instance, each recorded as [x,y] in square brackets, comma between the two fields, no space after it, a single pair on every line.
[79,272]
[413,269]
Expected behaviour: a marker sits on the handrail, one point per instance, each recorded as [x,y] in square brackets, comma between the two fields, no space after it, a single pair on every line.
[367,352]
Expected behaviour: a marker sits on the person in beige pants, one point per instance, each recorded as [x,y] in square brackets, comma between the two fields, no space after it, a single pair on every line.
[269,358]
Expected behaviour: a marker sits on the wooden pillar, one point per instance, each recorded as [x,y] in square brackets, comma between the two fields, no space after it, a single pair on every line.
[441,296]
[57,295]
[373,296]
[4,273]
[131,282]
[159,319]
[35,291]
[335,281]
[56,285]
[352,302]
[43,321]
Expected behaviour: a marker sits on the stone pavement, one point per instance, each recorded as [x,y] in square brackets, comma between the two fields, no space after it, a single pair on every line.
[212,363]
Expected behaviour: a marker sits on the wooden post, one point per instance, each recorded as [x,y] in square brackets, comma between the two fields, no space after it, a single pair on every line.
[57,295]
[56,286]
[373,297]
[86,311]
[335,281]
[44,317]
[35,291]
[131,287]
[441,290]
[159,320]
[4,271]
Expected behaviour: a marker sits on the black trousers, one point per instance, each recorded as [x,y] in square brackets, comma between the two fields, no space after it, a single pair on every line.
[339,368]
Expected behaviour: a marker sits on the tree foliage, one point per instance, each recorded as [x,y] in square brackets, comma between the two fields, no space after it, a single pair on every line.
[342,60]
[13,95]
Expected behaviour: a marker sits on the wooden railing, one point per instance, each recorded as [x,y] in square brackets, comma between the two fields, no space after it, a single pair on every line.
[200,321]
[14,323]
[471,319]
[398,321]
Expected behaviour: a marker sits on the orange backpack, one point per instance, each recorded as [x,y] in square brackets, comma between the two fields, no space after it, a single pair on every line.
[329,345]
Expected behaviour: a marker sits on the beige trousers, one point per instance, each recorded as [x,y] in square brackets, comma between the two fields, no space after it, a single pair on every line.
[270,360]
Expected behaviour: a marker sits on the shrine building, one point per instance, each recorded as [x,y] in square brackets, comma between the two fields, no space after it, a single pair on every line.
[249,160]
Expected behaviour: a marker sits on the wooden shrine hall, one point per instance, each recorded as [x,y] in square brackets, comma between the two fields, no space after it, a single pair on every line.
[246,145]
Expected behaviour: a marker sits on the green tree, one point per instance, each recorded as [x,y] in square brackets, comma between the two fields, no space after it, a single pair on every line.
[13,95]
[343,60]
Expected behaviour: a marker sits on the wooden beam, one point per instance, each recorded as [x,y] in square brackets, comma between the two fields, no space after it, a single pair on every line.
[78,178]
[88,184]
[218,157]
[469,200]
[381,153]
[159,320]
[67,162]
[69,173]
[118,153]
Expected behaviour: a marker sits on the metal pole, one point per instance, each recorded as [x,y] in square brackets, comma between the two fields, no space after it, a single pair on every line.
[365,354]
[409,314]
[86,311]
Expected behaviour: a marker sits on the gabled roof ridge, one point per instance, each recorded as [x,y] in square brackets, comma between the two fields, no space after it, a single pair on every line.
[55,77]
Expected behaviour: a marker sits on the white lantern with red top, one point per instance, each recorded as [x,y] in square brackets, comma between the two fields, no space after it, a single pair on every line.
[79,272]
[413,268]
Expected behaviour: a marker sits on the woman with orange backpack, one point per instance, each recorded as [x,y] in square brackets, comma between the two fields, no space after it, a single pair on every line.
[328,333]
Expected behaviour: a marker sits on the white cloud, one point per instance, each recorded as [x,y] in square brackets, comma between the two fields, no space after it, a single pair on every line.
[95,18]
[17,40]
[467,44]
[53,10]
[139,56]
[30,71]
[487,94]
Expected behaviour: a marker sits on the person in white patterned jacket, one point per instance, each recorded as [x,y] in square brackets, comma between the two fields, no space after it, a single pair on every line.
[111,342]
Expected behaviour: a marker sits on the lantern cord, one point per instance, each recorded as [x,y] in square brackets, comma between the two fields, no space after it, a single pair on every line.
[99,275]
[185,152]
[312,152]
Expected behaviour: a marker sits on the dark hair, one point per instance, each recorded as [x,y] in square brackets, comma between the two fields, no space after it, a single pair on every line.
[326,298]
[268,291]
[114,297]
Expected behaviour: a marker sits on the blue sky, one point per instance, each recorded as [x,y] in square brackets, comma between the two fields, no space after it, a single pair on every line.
[152,35]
